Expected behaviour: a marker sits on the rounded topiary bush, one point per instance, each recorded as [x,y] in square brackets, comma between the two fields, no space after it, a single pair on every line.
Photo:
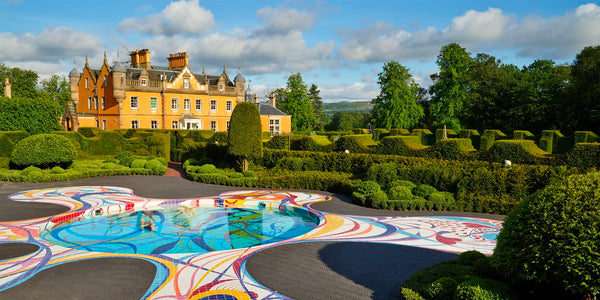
[156,166]
[206,169]
[32,172]
[138,163]
[57,170]
[367,187]
[400,193]
[423,190]
[44,151]
[552,237]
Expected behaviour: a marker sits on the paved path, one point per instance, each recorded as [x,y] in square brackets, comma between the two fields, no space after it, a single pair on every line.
[314,270]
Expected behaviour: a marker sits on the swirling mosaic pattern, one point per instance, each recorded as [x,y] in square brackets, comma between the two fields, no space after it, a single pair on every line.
[221,274]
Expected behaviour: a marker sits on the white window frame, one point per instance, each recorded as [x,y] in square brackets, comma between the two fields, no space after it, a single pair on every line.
[103,102]
[135,124]
[136,102]
[215,127]
[229,105]
[144,81]
[213,105]
[96,104]
[221,86]
[174,104]
[153,103]
[174,125]
[187,104]
[103,124]
[198,104]
[89,102]
[274,126]
[186,83]
[87,83]
[154,124]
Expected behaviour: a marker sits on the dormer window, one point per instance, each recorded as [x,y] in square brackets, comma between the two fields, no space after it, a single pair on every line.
[186,83]
[220,87]
[144,81]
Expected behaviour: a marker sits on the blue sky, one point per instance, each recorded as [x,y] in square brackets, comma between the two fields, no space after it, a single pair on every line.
[340,46]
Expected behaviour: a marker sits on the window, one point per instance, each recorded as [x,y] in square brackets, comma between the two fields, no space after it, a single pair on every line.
[89,102]
[213,126]
[199,104]
[153,103]
[213,105]
[135,124]
[274,126]
[96,103]
[187,104]
[103,102]
[186,83]
[104,124]
[105,83]
[154,124]
[174,125]
[227,125]
[97,124]
[87,84]
[220,86]
[144,81]
[229,105]
[174,104]
[134,102]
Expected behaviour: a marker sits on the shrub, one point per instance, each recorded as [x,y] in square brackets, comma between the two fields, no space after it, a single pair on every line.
[451,149]
[450,133]
[427,137]
[400,193]
[517,151]
[585,137]
[471,134]
[138,163]
[377,200]
[205,169]
[583,156]
[405,183]
[383,173]
[44,150]
[552,141]
[220,137]
[399,131]
[30,170]
[367,187]
[34,115]
[359,143]
[482,289]
[442,289]
[57,170]
[522,135]
[408,294]
[249,173]
[552,237]
[468,258]
[423,190]
[244,138]
[489,137]
[401,145]
[278,142]
[8,139]
[156,166]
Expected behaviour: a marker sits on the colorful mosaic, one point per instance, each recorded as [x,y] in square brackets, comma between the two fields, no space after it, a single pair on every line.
[206,274]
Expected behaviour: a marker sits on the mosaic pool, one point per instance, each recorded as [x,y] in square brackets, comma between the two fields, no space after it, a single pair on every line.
[181,230]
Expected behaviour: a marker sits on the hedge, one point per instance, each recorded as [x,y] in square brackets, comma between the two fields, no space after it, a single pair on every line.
[585,137]
[489,137]
[427,138]
[450,133]
[8,139]
[517,151]
[584,156]
[471,134]
[44,151]
[401,145]
[359,143]
[398,131]
[523,135]
[552,141]
[452,149]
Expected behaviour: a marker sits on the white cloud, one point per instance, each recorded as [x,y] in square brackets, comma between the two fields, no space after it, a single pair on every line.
[283,20]
[357,91]
[49,46]
[535,37]
[182,17]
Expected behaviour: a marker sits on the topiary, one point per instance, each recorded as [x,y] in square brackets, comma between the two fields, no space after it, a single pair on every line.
[44,151]
[156,167]
[468,258]
[205,169]
[57,170]
[552,237]
[367,187]
[405,183]
[482,289]
[400,193]
[30,170]
[442,289]
[138,163]
[423,190]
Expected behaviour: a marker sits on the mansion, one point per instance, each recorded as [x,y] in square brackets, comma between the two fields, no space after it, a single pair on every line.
[156,97]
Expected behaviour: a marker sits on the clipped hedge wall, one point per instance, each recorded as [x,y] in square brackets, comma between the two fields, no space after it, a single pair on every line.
[584,156]
[8,140]
[523,135]
[318,143]
[450,133]
[489,137]
[426,136]
[471,134]
[359,143]
[552,141]
[398,131]
[517,151]
[452,149]
[585,137]
[401,145]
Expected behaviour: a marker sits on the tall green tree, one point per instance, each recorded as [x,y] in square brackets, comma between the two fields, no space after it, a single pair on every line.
[56,88]
[451,85]
[297,104]
[317,104]
[584,112]
[244,138]
[346,121]
[396,106]
[23,82]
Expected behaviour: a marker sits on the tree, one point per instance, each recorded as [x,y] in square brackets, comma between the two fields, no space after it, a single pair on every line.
[23,82]
[396,105]
[297,104]
[342,121]
[451,85]
[38,115]
[56,88]
[244,138]
[317,104]
[585,110]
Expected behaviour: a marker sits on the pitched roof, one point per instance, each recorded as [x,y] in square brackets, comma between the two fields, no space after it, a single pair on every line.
[268,109]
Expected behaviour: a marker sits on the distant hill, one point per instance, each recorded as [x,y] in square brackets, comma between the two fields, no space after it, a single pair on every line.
[358,106]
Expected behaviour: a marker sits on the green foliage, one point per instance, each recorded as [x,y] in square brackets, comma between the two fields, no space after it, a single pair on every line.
[452,149]
[451,134]
[138,163]
[380,133]
[400,193]
[482,289]
[399,131]
[442,289]
[384,173]
[401,145]
[89,132]
[367,187]
[57,170]
[585,137]
[278,142]
[489,137]
[359,143]
[44,150]
[552,237]
[311,143]
[220,137]
[426,136]
[552,141]
[34,115]
[245,135]
[406,183]
[582,114]
[23,82]
[346,121]
[363,107]
[396,106]
[8,139]
[468,258]
[522,135]
[249,173]
[471,134]
[56,88]
[317,105]
[408,294]
[297,104]
[156,166]
[517,151]
[584,156]
[423,190]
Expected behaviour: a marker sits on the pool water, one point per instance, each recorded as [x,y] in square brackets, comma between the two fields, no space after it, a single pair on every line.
[182,230]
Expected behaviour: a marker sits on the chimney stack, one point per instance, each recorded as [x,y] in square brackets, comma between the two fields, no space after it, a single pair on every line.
[140,59]
[178,60]
[7,90]
[272,99]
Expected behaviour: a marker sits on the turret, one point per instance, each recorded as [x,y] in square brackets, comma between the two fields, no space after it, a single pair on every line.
[118,74]
[240,86]
[74,76]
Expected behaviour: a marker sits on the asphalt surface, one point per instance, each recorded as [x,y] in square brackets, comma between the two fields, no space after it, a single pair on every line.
[318,270]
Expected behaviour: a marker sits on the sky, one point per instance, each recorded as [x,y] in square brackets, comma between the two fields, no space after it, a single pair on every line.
[340,46]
